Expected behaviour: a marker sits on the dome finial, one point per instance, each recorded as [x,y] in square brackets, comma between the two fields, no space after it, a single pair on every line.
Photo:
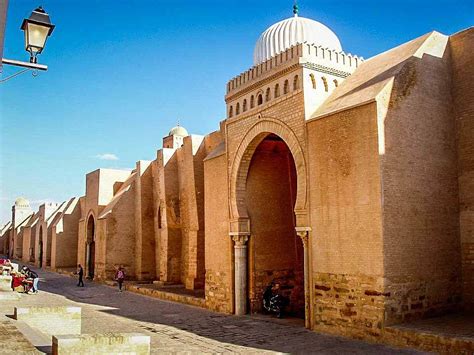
[295,8]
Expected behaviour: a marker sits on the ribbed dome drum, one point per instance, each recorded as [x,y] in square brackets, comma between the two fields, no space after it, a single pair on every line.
[285,34]
[178,131]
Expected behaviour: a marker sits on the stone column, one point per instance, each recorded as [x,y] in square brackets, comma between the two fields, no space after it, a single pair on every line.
[303,233]
[240,257]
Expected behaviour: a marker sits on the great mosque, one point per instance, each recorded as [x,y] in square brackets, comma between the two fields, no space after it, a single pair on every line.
[335,176]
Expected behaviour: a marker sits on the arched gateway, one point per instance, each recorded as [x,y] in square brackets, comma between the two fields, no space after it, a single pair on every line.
[268,207]
[90,247]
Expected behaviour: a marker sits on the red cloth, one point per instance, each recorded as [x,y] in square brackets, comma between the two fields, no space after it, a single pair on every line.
[17,281]
[3,261]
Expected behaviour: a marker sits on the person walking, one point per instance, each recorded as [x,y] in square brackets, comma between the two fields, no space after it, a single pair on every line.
[120,277]
[80,273]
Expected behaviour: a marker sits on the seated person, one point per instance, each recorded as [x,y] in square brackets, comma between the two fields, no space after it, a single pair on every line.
[273,300]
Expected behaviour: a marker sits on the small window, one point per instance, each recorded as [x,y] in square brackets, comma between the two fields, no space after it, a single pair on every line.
[325,83]
[296,83]
[244,105]
[336,84]
[259,99]
[267,95]
[286,87]
[277,91]
[231,111]
[252,102]
[237,108]
[313,80]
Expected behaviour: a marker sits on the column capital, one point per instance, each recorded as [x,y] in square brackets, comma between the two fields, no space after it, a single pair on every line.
[240,239]
[303,233]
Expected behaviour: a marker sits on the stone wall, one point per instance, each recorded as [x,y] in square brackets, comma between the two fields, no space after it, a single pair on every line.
[65,237]
[462,47]
[420,189]
[346,238]
[218,260]
[351,305]
[410,298]
[120,236]
[171,234]
[144,223]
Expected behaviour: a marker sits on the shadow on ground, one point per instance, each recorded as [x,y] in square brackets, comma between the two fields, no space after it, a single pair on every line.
[260,332]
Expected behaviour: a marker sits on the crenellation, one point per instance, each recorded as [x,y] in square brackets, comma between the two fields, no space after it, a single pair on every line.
[314,54]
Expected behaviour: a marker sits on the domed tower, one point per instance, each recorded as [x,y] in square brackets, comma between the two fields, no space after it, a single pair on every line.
[175,137]
[294,54]
[20,211]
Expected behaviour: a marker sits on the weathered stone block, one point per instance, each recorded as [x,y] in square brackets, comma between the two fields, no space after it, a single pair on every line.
[5,283]
[51,320]
[118,343]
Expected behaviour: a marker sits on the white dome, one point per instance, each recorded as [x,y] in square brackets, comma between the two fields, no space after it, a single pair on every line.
[285,34]
[178,131]
[22,202]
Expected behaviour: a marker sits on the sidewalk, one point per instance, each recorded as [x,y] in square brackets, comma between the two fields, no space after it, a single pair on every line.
[177,328]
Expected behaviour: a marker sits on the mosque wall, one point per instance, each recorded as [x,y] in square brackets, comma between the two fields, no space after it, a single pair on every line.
[462,47]
[101,185]
[171,237]
[144,226]
[43,234]
[346,220]
[81,237]
[219,287]
[420,191]
[191,192]
[65,237]
[27,245]
[117,237]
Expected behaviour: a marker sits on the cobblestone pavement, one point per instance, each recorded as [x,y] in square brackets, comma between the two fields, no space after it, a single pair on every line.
[178,328]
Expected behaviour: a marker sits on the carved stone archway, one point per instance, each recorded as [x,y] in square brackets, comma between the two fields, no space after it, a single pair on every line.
[239,218]
[241,164]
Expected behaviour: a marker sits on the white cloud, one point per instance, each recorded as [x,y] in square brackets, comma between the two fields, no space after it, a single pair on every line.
[107,156]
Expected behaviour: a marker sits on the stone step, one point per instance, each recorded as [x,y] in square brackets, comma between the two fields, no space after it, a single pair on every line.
[167,296]
[34,336]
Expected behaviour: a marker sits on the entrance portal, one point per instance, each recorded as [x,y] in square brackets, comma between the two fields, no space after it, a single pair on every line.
[275,253]
[90,247]
[91,261]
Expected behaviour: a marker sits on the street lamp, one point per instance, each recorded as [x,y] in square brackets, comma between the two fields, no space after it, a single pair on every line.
[37,29]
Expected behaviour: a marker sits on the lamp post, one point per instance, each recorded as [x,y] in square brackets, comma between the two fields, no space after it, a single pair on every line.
[37,28]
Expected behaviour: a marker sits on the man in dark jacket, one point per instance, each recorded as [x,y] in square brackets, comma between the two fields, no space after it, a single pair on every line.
[33,275]
[80,272]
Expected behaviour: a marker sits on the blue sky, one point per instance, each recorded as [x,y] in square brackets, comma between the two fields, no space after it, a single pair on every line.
[122,73]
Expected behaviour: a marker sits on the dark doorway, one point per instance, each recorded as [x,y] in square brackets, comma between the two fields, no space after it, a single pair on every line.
[91,261]
[90,247]
[276,253]
[40,248]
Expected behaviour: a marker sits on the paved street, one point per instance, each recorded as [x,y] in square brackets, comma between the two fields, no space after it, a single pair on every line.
[179,328]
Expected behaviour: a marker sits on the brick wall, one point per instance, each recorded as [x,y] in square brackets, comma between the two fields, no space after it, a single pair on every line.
[462,47]
[218,244]
[346,237]
[65,243]
[420,192]
[119,245]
